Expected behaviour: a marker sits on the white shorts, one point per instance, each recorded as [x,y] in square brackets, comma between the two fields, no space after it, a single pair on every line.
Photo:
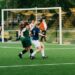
[36,43]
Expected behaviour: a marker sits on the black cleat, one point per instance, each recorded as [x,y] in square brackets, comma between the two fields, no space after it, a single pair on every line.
[44,57]
[20,56]
[32,57]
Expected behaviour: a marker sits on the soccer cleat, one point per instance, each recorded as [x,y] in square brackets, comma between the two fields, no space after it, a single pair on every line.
[20,55]
[32,57]
[44,57]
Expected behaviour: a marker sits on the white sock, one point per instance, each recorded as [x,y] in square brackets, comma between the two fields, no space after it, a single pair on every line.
[21,53]
[33,54]
[42,53]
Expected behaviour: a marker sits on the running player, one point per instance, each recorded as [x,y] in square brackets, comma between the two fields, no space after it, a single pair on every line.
[35,40]
[25,39]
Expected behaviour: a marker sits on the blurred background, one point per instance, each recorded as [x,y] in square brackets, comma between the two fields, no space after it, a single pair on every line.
[13,18]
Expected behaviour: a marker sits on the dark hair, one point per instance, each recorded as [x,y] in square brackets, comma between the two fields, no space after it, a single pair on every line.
[23,25]
[38,24]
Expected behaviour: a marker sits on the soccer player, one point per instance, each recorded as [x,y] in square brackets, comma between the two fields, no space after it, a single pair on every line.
[35,40]
[25,39]
[43,28]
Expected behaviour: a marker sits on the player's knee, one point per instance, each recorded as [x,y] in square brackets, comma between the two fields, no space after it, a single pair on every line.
[26,49]
[38,49]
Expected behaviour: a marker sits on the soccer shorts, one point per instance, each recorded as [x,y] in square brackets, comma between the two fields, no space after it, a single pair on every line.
[36,43]
[26,42]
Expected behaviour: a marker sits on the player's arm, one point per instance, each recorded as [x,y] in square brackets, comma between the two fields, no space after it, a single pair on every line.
[31,32]
[41,33]
[22,32]
[19,33]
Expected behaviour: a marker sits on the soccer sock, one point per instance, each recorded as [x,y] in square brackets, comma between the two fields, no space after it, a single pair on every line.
[24,51]
[42,53]
[31,51]
[33,54]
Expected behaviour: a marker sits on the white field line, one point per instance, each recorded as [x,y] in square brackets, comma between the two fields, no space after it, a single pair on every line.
[47,44]
[45,48]
[10,47]
[37,65]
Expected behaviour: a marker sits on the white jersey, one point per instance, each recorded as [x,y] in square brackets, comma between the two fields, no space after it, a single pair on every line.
[20,33]
[32,26]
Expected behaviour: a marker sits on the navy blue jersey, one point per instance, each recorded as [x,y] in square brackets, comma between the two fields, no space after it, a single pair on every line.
[35,33]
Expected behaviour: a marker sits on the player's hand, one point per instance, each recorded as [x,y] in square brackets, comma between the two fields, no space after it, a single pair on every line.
[45,36]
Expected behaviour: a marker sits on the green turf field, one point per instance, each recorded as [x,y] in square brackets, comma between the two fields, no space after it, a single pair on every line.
[61,61]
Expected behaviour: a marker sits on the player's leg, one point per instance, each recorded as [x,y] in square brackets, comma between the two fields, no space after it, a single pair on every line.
[41,39]
[43,51]
[44,33]
[23,52]
[31,50]
[30,46]
[38,48]
[26,44]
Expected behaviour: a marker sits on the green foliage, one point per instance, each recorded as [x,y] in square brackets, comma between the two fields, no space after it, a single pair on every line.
[65,4]
[36,3]
[66,34]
